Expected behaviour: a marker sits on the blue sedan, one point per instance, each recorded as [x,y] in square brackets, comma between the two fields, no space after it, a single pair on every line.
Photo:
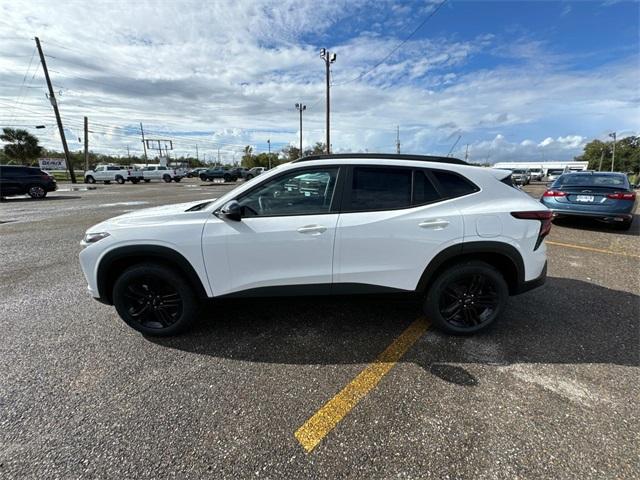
[601,195]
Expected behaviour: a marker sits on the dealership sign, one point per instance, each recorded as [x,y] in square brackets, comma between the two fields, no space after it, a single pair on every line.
[52,164]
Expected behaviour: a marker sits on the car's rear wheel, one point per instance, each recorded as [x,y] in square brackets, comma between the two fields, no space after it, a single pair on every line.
[466,298]
[90,179]
[155,300]
[135,180]
[119,180]
[167,178]
[624,226]
[36,191]
[177,179]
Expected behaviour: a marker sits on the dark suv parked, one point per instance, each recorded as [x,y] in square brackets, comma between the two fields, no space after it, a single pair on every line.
[218,172]
[18,180]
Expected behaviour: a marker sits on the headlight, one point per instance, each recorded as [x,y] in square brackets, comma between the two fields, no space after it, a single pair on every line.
[90,238]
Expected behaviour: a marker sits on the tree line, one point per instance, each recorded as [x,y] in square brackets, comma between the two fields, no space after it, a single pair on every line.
[23,148]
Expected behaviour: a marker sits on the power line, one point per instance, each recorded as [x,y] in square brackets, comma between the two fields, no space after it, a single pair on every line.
[397,47]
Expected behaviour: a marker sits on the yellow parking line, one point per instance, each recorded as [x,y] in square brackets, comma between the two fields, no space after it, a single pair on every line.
[324,420]
[590,249]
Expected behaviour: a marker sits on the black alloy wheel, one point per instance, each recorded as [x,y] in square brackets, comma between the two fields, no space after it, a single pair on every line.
[155,300]
[466,298]
[36,191]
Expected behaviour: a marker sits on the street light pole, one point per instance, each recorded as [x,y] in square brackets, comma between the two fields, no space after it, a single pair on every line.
[613,159]
[328,58]
[301,108]
[269,155]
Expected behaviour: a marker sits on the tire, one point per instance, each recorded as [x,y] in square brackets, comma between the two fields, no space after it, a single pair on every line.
[36,191]
[227,178]
[155,300]
[107,182]
[204,178]
[135,181]
[452,300]
[248,177]
[624,226]
[146,180]
[167,178]
[177,179]
[119,180]
[90,179]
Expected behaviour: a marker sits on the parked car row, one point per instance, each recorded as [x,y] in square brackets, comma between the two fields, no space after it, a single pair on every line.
[118,174]
[228,174]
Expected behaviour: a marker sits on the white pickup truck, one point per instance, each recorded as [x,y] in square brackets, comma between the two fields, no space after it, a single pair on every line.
[160,172]
[112,173]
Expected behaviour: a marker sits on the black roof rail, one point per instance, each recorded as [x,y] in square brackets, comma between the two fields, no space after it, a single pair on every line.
[383,156]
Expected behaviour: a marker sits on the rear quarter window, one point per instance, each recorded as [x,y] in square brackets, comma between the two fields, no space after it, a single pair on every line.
[453,185]
[380,188]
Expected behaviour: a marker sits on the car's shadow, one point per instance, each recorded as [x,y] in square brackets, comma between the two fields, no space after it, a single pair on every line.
[592,225]
[566,321]
[45,199]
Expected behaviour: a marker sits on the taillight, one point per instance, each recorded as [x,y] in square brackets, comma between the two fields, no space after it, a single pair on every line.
[544,216]
[554,193]
[622,196]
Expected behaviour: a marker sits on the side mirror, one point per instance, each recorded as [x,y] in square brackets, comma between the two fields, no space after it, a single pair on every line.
[232,210]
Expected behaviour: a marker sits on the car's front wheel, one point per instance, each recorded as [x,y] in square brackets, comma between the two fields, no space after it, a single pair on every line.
[167,178]
[119,180]
[90,179]
[155,300]
[466,298]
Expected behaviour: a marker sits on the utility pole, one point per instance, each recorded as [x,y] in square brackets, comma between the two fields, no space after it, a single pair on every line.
[613,158]
[54,104]
[144,144]
[197,155]
[86,144]
[328,58]
[398,140]
[128,153]
[301,108]
[601,158]
[219,156]
[466,153]
[269,155]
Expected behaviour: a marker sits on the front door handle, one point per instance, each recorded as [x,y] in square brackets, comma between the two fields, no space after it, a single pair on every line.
[437,224]
[312,229]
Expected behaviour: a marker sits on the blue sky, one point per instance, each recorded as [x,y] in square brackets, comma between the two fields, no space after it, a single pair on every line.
[514,80]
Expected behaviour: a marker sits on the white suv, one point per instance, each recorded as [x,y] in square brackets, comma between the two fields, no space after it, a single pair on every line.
[460,236]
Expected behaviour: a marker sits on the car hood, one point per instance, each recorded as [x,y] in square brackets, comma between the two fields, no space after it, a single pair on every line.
[153,215]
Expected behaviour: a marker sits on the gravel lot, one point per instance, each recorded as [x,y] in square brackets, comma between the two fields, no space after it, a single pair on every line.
[551,391]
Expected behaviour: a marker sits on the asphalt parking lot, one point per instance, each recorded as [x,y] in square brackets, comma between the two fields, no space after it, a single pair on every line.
[550,391]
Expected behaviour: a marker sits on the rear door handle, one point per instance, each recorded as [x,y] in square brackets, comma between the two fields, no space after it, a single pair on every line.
[437,224]
[312,229]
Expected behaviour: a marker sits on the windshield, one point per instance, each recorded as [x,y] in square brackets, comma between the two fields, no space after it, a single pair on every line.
[603,180]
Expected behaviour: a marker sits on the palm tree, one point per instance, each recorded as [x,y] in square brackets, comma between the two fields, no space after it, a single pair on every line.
[20,145]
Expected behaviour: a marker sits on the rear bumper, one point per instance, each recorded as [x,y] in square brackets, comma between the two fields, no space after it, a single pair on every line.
[612,217]
[531,284]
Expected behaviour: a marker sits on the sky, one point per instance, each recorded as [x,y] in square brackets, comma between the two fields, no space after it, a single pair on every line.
[503,81]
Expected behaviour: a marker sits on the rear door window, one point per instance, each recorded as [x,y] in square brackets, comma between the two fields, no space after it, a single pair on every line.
[424,191]
[379,188]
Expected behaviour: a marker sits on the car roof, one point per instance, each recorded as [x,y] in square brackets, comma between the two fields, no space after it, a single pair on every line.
[382,156]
